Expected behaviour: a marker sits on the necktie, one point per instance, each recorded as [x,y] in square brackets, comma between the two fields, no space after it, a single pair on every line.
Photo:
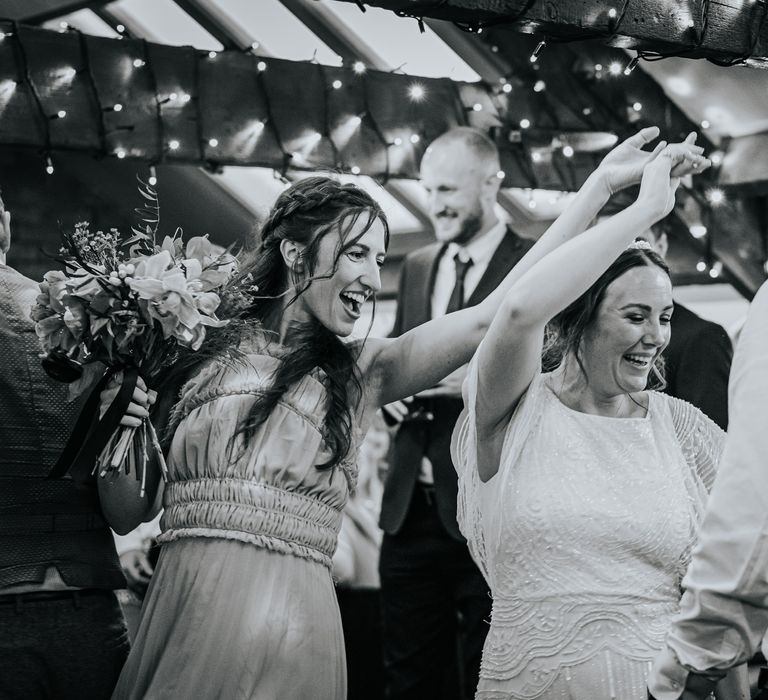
[456,301]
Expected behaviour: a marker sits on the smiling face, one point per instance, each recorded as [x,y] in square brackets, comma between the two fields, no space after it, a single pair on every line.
[461,189]
[345,276]
[630,330]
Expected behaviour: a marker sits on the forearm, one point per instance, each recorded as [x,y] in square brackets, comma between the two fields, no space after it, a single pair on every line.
[576,218]
[569,270]
[122,502]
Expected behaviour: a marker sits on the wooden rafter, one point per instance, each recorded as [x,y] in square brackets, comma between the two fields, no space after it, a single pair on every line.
[35,11]
[723,31]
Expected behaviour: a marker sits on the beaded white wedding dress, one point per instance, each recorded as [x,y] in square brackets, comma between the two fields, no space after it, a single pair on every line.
[584,535]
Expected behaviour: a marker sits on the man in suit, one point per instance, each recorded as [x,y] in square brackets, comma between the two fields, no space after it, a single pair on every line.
[436,605]
[698,357]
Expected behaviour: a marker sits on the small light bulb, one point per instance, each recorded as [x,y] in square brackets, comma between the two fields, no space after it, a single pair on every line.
[415,138]
[716,269]
[612,13]
[254,45]
[138,62]
[698,230]
[354,170]
[120,28]
[637,106]
[716,157]
[531,203]
[525,123]
[568,151]
[358,67]
[61,113]
[701,266]
[507,87]
[152,176]
[615,68]
[117,107]
[705,124]
[477,107]
[398,141]
[212,54]
[356,120]
[49,165]
[173,144]
[715,196]
[536,157]
[213,142]
[501,174]
[185,97]
[539,48]
[261,66]
[336,84]
[416,92]
[120,153]
[539,86]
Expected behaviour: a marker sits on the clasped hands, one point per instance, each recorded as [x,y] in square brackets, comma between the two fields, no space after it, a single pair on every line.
[625,164]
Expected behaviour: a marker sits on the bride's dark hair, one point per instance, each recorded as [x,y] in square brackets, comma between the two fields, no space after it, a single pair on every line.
[565,331]
[305,213]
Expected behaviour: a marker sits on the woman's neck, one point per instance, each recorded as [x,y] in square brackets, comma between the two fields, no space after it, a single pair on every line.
[578,393]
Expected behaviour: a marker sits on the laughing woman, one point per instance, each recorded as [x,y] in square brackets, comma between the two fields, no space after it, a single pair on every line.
[580,488]
[262,458]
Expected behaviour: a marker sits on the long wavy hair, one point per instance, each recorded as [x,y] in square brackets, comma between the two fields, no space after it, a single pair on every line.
[305,213]
[566,330]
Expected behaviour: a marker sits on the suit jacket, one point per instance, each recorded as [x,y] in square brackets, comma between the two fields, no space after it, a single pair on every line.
[698,362]
[432,439]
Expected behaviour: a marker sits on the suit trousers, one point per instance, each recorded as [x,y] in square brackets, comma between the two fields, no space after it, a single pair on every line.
[70,648]
[436,609]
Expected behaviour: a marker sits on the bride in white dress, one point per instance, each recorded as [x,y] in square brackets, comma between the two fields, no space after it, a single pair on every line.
[581,490]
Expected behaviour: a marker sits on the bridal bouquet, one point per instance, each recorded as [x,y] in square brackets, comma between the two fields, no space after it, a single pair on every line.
[124,309]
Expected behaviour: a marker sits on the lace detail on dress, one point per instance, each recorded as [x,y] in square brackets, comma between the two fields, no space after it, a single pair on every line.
[584,534]
[701,440]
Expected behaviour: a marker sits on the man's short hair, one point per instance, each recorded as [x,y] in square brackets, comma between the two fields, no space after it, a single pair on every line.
[475,140]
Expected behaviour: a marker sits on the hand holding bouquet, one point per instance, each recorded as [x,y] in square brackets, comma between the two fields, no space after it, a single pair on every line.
[124,311]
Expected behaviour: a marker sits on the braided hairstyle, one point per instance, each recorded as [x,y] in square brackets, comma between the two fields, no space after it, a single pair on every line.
[305,213]
[566,330]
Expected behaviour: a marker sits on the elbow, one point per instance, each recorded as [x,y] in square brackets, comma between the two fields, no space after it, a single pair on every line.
[519,311]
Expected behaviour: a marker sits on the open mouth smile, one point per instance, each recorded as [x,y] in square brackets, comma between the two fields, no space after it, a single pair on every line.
[353,302]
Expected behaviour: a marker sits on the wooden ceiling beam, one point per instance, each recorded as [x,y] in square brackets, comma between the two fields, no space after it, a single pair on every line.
[722,31]
[38,11]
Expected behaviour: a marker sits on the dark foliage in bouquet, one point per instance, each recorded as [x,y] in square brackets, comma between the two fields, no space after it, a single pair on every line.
[134,308]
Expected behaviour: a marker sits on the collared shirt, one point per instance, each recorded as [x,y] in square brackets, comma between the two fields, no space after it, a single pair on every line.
[724,611]
[480,250]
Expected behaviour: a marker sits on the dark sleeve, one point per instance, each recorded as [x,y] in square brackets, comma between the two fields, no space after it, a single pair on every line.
[702,372]
[397,328]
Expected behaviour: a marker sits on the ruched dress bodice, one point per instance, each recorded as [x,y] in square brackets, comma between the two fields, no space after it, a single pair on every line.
[268,492]
[242,603]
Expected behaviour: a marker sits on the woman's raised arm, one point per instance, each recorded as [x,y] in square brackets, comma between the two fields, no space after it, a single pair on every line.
[510,356]
[420,358]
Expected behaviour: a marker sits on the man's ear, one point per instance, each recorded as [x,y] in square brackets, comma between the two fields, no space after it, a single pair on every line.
[292,254]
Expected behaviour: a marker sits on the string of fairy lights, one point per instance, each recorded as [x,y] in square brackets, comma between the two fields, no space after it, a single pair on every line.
[296,154]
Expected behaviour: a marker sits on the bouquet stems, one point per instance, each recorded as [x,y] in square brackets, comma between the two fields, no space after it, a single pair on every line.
[127,447]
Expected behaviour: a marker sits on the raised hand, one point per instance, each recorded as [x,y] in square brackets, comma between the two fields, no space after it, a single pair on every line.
[623,166]
[661,176]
